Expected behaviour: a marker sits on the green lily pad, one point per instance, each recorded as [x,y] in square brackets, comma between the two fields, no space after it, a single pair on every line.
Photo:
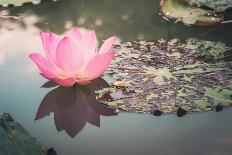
[6,3]
[217,5]
[183,12]
[159,80]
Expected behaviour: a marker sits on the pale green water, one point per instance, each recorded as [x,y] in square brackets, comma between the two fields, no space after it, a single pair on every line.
[128,133]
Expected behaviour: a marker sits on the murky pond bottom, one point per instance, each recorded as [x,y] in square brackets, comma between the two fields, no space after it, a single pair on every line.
[126,133]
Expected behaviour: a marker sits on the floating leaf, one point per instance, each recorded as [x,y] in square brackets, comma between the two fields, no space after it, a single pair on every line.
[6,3]
[181,11]
[217,5]
[207,49]
[161,81]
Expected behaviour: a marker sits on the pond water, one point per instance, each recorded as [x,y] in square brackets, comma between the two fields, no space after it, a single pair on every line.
[126,133]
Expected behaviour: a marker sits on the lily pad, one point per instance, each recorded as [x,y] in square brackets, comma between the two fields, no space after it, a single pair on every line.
[6,3]
[217,5]
[183,12]
[158,80]
[207,49]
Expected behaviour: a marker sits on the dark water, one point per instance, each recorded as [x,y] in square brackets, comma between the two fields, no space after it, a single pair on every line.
[127,133]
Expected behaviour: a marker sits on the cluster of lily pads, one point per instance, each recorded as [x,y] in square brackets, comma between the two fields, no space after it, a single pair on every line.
[167,76]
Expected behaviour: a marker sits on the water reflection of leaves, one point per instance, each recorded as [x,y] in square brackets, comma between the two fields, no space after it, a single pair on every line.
[74,106]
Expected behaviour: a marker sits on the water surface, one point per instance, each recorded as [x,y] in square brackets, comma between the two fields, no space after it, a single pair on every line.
[127,133]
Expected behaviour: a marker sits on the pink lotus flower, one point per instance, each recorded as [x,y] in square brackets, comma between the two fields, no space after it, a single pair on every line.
[73,58]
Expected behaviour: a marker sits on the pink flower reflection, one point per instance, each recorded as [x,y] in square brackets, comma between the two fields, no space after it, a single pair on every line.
[73,107]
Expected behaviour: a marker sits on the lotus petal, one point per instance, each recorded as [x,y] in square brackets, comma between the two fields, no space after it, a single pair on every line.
[98,65]
[107,45]
[44,66]
[69,56]
[75,33]
[66,82]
